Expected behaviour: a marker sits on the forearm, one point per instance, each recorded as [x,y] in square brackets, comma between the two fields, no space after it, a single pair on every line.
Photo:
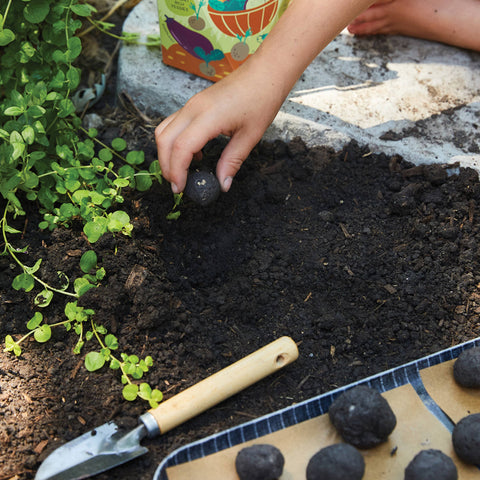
[304,30]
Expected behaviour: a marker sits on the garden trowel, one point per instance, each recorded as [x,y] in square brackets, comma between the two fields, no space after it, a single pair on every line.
[107,446]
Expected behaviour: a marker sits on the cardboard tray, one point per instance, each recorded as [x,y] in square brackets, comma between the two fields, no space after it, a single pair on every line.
[423,395]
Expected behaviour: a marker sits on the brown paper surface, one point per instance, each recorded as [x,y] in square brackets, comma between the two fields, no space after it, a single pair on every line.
[416,429]
[457,402]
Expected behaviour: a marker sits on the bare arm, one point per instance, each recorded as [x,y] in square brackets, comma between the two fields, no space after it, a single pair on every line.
[244,104]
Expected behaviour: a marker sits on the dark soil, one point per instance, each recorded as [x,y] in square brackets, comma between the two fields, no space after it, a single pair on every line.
[366,261]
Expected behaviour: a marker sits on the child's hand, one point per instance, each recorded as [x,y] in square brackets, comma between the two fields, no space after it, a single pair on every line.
[241,106]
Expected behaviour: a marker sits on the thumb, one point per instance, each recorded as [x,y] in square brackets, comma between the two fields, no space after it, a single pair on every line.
[232,158]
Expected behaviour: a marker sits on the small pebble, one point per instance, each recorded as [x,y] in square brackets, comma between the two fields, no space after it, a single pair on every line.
[362,417]
[259,462]
[336,462]
[431,465]
[92,120]
[202,187]
[466,369]
[466,439]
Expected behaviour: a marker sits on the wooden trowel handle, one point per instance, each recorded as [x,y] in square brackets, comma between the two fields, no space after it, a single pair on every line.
[225,383]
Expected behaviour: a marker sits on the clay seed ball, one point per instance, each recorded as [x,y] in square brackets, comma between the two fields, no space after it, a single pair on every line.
[336,462]
[362,417]
[259,462]
[466,369]
[466,439]
[202,187]
[431,465]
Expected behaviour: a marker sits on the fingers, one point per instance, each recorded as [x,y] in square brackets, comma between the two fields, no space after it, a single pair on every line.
[176,151]
[163,146]
[233,156]
[372,21]
[366,28]
[177,144]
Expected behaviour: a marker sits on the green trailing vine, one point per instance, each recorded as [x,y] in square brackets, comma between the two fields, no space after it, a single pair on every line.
[46,157]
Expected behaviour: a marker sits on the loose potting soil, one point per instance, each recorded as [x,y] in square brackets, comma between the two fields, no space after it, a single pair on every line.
[366,261]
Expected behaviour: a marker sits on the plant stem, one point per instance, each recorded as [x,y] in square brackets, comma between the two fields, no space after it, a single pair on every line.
[95,139]
[117,5]
[6,13]
[58,324]
[10,249]
[102,345]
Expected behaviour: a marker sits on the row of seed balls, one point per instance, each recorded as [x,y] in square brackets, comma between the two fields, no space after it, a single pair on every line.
[364,419]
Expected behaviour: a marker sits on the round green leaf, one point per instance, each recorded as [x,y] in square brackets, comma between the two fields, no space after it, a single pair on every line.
[143,181]
[105,155]
[43,333]
[94,361]
[82,285]
[121,182]
[145,391]
[31,179]
[117,221]
[94,230]
[88,261]
[18,149]
[114,364]
[157,395]
[71,182]
[73,76]
[111,341]
[135,157]
[26,52]
[130,392]
[25,281]
[44,298]
[12,346]
[74,45]
[31,270]
[6,37]
[126,171]
[36,11]
[100,274]
[149,361]
[119,144]
[66,108]
[28,134]
[35,321]
[83,10]
[133,359]
[68,210]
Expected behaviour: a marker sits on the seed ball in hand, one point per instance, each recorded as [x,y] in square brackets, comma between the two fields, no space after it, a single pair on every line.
[259,462]
[336,462]
[362,417]
[466,439]
[466,369]
[202,187]
[431,465]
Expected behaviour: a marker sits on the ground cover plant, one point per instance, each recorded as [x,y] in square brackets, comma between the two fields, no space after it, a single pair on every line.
[48,158]
[365,260]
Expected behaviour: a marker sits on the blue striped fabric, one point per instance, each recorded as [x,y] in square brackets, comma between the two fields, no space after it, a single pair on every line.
[387,380]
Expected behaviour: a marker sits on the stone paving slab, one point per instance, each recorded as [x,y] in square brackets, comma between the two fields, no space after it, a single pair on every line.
[397,95]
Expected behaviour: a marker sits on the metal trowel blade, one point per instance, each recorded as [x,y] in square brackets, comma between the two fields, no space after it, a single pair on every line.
[93,453]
